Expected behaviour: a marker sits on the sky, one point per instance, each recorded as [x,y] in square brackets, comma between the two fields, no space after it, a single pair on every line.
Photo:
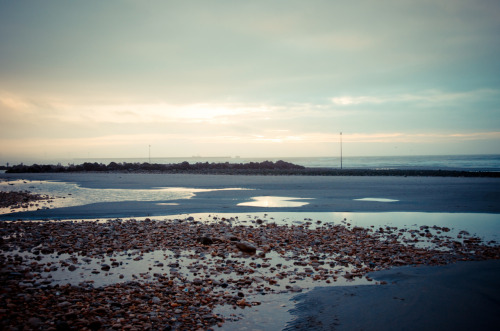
[89,79]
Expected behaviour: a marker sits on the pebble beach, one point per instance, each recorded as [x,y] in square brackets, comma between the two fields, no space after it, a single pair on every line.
[205,272]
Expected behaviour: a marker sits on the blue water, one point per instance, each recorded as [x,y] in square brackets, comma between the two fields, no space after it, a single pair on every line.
[443,162]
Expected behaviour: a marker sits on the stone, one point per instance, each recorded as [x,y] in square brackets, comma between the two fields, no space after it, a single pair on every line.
[62,326]
[246,247]
[63,304]
[95,325]
[197,281]
[205,240]
[34,322]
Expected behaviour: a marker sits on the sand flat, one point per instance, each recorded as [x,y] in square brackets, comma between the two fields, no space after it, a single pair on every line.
[324,194]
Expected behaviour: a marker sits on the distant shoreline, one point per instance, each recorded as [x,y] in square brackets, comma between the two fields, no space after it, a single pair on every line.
[279,168]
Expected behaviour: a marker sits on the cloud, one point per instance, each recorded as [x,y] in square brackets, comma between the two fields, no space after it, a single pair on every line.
[35,116]
[350,100]
[388,137]
[270,144]
[255,52]
[254,73]
[66,110]
[426,97]
[12,102]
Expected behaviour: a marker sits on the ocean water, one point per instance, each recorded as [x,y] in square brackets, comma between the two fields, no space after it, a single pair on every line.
[443,162]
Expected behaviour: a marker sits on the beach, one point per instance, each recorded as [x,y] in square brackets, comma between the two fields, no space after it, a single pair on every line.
[322,194]
[388,277]
[249,165]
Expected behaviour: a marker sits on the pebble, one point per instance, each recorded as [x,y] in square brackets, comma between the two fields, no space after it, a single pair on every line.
[205,240]
[246,247]
[232,268]
[17,200]
[34,322]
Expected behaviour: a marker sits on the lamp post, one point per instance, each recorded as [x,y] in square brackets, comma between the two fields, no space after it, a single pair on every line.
[340,150]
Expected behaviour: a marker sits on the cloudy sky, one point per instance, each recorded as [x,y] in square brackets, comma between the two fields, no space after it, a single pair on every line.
[250,78]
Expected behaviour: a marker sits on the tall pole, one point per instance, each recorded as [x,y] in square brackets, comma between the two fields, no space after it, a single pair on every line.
[149,154]
[340,150]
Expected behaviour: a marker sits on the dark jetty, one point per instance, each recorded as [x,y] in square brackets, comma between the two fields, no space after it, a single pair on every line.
[252,168]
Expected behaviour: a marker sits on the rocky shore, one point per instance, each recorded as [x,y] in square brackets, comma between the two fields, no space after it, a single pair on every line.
[173,274]
[279,168]
[16,200]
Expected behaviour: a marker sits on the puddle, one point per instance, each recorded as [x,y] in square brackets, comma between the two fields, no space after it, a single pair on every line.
[376,200]
[272,314]
[274,202]
[187,265]
[483,225]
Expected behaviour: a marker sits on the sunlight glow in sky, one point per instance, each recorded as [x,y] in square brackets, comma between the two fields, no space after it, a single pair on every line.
[253,79]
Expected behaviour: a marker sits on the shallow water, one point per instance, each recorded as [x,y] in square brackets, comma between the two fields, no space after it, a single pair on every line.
[274,202]
[377,200]
[482,225]
[64,194]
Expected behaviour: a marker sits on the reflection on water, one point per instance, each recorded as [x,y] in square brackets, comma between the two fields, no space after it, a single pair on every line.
[274,202]
[482,225]
[135,264]
[65,194]
[377,200]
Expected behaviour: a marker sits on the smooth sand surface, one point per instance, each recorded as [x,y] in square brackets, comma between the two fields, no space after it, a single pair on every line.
[326,194]
[461,296]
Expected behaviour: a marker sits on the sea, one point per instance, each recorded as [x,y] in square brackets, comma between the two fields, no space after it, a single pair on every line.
[490,162]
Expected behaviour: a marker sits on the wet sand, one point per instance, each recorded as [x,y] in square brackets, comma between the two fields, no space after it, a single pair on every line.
[460,296]
[322,194]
